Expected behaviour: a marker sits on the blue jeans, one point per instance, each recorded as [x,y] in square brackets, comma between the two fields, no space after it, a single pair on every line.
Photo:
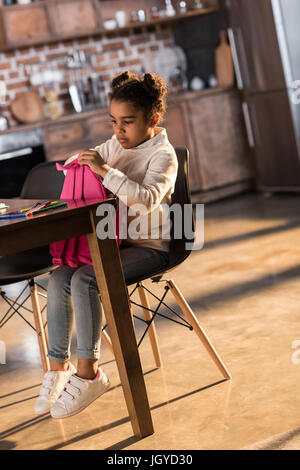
[73,292]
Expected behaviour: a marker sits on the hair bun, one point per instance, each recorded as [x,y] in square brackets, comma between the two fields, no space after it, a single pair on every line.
[122,78]
[149,84]
[154,85]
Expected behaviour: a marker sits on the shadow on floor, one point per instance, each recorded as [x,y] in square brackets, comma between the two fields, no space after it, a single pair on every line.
[123,444]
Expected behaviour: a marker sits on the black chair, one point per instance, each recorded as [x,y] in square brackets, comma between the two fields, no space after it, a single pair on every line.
[179,251]
[42,182]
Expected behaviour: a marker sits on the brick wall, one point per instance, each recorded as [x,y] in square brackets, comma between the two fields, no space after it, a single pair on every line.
[112,53]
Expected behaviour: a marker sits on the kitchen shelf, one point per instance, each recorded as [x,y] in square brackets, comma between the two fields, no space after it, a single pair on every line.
[166,19]
[9,14]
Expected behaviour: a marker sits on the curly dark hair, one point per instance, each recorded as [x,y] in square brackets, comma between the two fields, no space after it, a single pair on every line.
[147,93]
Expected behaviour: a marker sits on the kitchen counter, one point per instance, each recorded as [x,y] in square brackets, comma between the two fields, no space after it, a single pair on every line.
[104,110]
[49,122]
[209,123]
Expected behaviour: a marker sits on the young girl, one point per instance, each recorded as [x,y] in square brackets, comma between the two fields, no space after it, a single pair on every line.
[139,166]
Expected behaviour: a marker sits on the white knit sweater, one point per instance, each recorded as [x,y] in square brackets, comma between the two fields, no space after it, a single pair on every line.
[145,175]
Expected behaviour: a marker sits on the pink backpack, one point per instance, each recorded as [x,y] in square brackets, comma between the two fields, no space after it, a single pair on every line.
[81,183]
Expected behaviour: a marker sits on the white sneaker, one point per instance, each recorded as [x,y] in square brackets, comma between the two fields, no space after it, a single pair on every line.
[53,384]
[78,394]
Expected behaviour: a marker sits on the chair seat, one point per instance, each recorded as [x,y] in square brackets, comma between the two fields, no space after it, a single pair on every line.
[25,265]
[175,259]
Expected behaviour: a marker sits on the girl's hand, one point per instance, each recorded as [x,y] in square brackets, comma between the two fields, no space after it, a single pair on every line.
[94,160]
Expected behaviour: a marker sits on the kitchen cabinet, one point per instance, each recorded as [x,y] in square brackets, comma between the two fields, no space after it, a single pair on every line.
[65,138]
[276,151]
[48,21]
[265,44]
[75,17]
[219,139]
[254,30]
[178,128]
[210,125]
[23,25]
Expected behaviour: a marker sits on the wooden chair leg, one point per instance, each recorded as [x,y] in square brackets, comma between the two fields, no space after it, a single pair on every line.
[39,325]
[197,328]
[151,330]
[45,332]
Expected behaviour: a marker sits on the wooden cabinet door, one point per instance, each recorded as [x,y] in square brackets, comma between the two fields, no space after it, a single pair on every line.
[275,145]
[220,141]
[256,42]
[99,128]
[25,24]
[64,139]
[75,17]
[64,134]
[178,130]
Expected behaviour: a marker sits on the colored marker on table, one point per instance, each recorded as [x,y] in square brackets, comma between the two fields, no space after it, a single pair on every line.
[11,216]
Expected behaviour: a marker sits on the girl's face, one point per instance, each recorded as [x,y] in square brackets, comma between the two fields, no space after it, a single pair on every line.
[129,124]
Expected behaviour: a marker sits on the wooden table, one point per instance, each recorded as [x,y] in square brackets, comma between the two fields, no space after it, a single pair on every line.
[78,219]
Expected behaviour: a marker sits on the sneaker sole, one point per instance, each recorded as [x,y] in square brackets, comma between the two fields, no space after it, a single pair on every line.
[83,407]
[42,413]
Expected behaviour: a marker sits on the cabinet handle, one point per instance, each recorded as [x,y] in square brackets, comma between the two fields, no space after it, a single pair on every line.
[235,59]
[248,123]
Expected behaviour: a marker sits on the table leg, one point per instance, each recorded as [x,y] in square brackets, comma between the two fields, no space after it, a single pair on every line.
[115,301]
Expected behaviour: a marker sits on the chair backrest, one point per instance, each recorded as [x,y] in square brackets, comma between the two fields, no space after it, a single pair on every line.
[43,182]
[182,197]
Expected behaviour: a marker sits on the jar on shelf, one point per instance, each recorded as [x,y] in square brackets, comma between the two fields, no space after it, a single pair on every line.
[51,99]
[134,17]
[197,5]
[154,13]
[182,7]
[141,16]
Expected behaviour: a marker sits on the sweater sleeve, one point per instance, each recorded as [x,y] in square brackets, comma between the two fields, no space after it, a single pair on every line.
[159,179]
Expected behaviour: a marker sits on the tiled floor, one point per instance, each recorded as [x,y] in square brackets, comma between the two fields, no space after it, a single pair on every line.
[244,287]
